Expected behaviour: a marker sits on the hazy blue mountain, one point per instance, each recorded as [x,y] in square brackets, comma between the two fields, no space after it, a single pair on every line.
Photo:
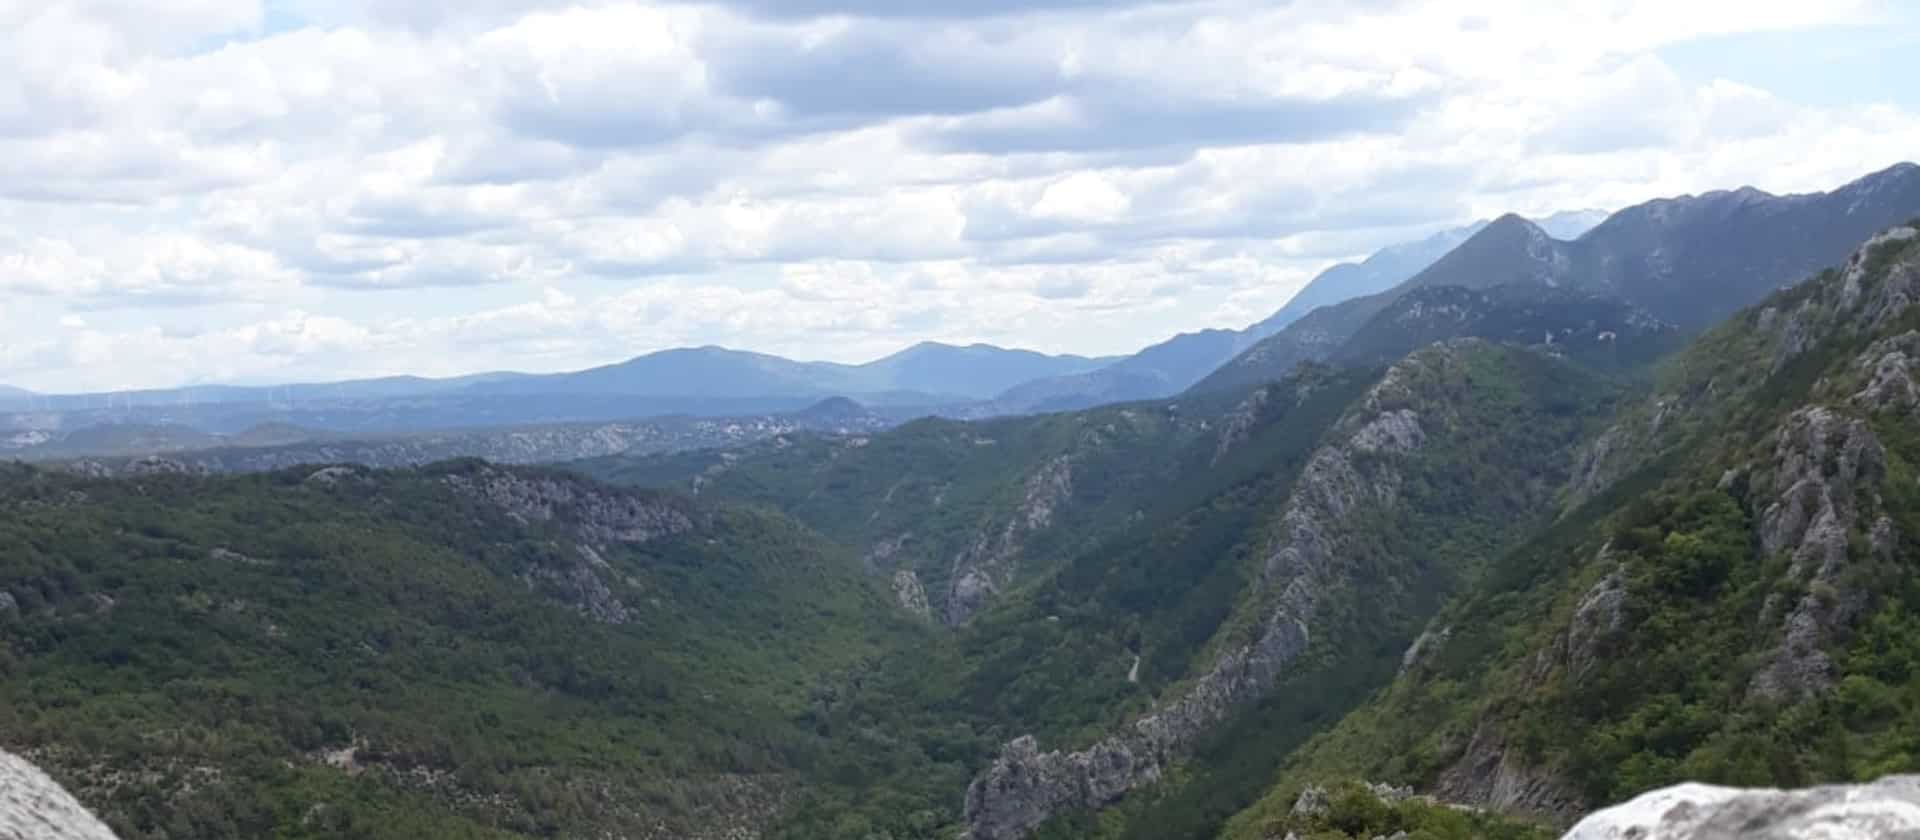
[1172,365]
[1688,260]
[11,397]
[1159,370]
[705,381]
[711,372]
[1393,264]
[1572,224]
[976,370]
[940,372]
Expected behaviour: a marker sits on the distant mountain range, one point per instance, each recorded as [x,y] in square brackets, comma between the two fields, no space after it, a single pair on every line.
[928,378]
[1644,276]
[702,382]
[928,373]
[1171,366]
[1688,261]
[1393,264]
[116,450]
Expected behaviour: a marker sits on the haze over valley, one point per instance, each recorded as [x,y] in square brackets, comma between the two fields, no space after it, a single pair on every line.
[968,421]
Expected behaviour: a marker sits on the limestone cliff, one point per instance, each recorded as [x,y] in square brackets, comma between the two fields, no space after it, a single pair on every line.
[1314,553]
[1889,808]
[35,807]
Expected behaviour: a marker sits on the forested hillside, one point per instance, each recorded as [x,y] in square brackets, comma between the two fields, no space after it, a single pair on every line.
[459,651]
[1729,601]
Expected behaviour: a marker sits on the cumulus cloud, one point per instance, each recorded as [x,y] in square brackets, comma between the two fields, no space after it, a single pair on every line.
[296,189]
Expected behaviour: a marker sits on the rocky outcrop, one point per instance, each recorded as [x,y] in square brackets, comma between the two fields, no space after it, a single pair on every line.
[1392,431]
[1490,774]
[1864,296]
[909,594]
[577,582]
[1826,470]
[1353,473]
[1889,367]
[990,563]
[35,807]
[1239,423]
[602,516]
[1602,462]
[1879,300]
[1889,808]
[1420,653]
[332,476]
[1869,293]
[156,465]
[595,518]
[1596,624]
[885,554]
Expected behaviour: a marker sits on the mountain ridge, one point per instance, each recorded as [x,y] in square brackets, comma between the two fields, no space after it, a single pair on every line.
[1685,259]
[1171,366]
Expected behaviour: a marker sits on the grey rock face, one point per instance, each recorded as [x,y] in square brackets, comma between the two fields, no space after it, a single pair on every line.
[885,553]
[597,517]
[1825,469]
[1491,775]
[1888,809]
[35,807]
[1600,463]
[1420,653]
[1392,431]
[1597,621]
[602,516]
[578,584]
[155,465]
[1311,802]
[1890,365]
[1238,425]
[1891,297]
[330,476]
[990,563]
[909,594]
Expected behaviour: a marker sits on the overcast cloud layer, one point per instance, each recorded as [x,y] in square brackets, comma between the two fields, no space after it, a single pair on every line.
[231,190]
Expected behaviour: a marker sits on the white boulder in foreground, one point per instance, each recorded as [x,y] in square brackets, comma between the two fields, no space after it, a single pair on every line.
[34,807]
[1889,808]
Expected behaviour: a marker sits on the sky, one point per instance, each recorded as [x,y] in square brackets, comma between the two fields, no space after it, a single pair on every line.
[200,191]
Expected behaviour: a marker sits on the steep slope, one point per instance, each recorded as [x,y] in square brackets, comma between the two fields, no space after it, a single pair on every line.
[458,651]
[1727,601]
[1689,261]
[1385,269]
[1394,264]
[1603,332]
[1439,462]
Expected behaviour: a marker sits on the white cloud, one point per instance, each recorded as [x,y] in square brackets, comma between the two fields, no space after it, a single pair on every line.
[216,188]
